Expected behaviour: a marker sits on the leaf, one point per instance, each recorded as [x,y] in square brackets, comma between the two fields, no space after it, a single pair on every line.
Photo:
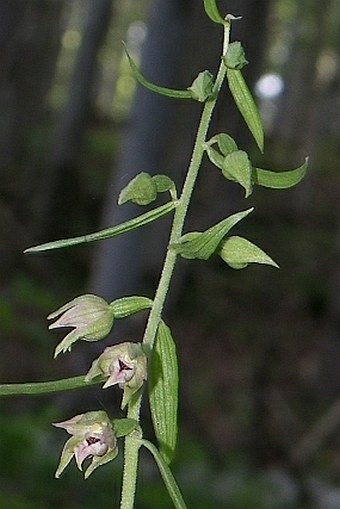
[238,252]
[237,167]
[211,9]
[202,245]
[108,233]
[168,478]
[127,306]
[123,427]
[168,92]
[246,105]
[163,391]
[141,190]
[279,180]
[225,143]
[163,183]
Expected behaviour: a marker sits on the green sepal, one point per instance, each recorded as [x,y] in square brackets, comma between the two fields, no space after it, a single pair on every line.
[237,167]
[98,461]
[141,190]
[246,105]
[168,92]
[238,252]
[202,245]
[202,87]
[108,233]
[279,180]
[215,157]
[123,427]
[126,306]
[164,184]
[235,56]
[212,11]
[163,391]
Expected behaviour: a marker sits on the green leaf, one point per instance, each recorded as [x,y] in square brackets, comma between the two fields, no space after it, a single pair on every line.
[163,391]
[202,87]
[123,427]
[141,190]
[168,92]
[168,478]
[108,233]
[235,57]
[237,167]
[211,9]
[127,306]
[225,143]
[238,252]
[279,180]
[163,183]
[202,245]
[246,105]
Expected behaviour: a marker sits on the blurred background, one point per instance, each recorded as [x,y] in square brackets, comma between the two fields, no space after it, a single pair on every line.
[259,349]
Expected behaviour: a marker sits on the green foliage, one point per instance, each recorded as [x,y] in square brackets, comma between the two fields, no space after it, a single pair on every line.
[163,391]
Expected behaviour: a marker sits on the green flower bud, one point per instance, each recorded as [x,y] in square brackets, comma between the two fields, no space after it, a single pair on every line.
[124,364]
[92,437]
[90,316]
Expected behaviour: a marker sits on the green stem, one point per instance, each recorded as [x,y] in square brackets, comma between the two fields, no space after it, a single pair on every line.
[37,388]
[131,444]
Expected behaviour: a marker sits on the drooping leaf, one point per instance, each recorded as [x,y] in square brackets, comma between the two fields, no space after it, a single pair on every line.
[280,180]
[235,57]
[168,92]
[202,245]
[237,167]
[246,105]
[239,252]
[163,391]
[212,11]
[141,190]
[108,233]
[202,86]
[126,306]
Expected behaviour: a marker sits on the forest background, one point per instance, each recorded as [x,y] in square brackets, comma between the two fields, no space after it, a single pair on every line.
[259,349]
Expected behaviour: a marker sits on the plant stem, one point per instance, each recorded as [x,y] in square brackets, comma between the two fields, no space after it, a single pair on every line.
[131,444]
[37,388]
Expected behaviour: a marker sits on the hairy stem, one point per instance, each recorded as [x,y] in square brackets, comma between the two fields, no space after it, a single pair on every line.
[37,388]
[131,445]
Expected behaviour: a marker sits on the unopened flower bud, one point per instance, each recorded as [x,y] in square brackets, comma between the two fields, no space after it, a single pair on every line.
[124,364]
[92,437]
[90,316]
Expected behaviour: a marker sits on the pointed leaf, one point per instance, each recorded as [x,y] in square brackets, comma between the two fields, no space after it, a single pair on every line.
[279,180]
[237,167]
[202,245]
[246,105]
[168,92]
[211,9]
[127,306]
[141,190]
[238,252]
[163,391]
[108,233]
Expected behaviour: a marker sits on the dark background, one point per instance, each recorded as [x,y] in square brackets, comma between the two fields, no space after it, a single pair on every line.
[259,349]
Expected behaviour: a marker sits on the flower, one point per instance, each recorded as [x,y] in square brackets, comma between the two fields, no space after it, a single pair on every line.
[92,437]
[124,364]
[90,317]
